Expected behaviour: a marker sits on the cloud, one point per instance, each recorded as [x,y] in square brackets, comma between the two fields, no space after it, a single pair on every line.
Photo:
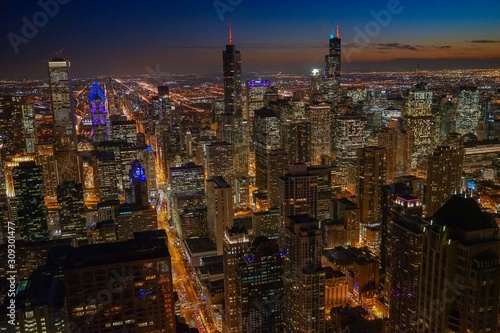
[483,41]
[396,46]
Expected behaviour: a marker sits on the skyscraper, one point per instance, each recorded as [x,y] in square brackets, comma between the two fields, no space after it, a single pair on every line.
[398,147]
[232,78]
[460,272]
[371,175]
[72,211]
[405,246]
[319,116]
[220,212]
[443,176]
[298,192]
[61,93]
[130,283]
[419,119]
[31,211]
[99,113]
[304,277]
[259,275]
[254,93]
[331,80]
[236,243]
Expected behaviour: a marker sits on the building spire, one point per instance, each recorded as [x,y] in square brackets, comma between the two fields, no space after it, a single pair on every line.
[230,34]
[331,33]
[337,32]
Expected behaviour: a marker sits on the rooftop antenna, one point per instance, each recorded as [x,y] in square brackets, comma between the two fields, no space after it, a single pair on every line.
[230,34]
[337,32]
[331,32]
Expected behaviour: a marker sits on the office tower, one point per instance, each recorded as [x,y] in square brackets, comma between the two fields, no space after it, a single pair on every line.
[232,119]
[315,93]
[405,251]
[266,223]
[236,242]
[397,144]
[323,175]
[105,175]
[266,139]
[319,116]
[219,160]
[167,145]
[62,105]
[99,113]
[187,178]
[276,163]
[138,185]
[443,176]
[348,136]
[254,93]
[271,95]
[72,215]
[331,77]
[12,134]
[259,276]
[193,222]
[460,272]
[163,109]
[304,278]
[232,78]
[45,158]
[29,127]
[296,137]
[242,192]
[298,192]
[132,218]
[123,130]
[131,284]
[371,175]
[419,119]
[469,113]
[220,212]
[346,218]
[31,211]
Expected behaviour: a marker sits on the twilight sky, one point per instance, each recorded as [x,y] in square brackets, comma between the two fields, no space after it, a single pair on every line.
[187,36]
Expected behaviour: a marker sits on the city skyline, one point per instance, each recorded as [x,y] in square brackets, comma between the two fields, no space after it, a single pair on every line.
[137,39]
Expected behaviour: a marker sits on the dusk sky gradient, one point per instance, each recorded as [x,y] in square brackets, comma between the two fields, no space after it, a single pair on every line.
[187,36]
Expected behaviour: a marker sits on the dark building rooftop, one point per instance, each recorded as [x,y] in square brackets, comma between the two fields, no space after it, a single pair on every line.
[200,244]
[463,214]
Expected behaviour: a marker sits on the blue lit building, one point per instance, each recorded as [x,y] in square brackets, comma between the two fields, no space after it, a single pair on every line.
[98,110]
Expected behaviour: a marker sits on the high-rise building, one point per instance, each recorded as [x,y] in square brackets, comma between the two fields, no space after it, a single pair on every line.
[124,131]
[32,215]
[138,184]
[469,113]
[460,272]
[323,175]
[443,176]
[319,116]
[266,139]
[100,118]
[298,192]
[187,178]
[132,218]
[220,212]
[131,284]
[254,93]
[219,160]
[419,119]
[259,276]
[304,277]
[62,105]
[45,158]
[371,175]
[236,242]
[348,136]
[296,137]
[405,251]
[105,168]
[13,132]
[397,144]
[72,215]
[331,77]
[232,77]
